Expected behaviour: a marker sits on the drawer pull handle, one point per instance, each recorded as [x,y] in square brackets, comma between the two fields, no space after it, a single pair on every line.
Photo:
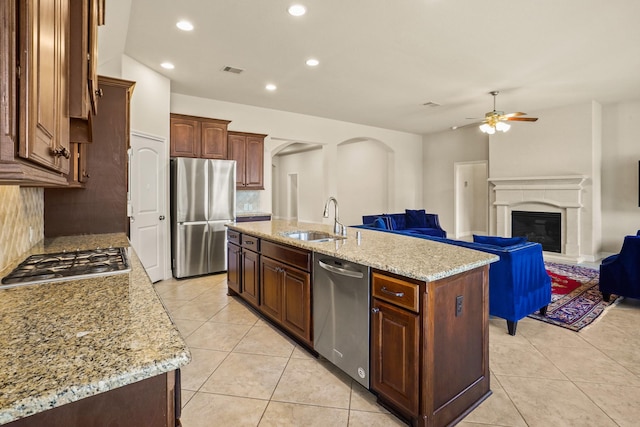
[249,242]
[384,290]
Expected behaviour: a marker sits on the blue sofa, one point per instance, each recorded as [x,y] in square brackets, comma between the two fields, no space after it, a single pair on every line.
[411,222]
[518,282]
[620,273]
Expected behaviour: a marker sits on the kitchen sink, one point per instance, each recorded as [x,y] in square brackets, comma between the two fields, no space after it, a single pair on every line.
[313,236]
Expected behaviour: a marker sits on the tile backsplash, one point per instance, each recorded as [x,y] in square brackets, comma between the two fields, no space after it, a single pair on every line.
[247,201]
[21,219]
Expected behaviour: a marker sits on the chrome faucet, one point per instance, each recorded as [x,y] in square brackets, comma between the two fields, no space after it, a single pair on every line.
[338,228]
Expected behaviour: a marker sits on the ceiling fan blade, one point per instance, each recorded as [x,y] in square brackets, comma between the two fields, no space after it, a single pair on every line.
[522,119]
[514,114]
[468,125]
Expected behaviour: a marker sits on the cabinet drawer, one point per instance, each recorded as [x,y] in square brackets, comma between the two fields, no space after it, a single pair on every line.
[292,256]
[233,237]
[396,291]
[250,242]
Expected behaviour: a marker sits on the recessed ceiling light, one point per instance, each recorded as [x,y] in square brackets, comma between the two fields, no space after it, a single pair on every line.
[167,65]
[185,25]
[312,62]
[271,87]
[297,10]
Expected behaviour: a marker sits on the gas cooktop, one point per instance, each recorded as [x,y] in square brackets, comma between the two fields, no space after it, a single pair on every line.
[59,266]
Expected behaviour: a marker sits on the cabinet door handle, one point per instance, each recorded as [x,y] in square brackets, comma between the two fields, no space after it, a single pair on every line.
[384,290]
[99,93]
[60,151]
[375,310]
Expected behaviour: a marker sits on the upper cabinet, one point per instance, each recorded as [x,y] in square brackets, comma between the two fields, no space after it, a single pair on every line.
[36,82]
[83,67]
[247,149]
[198,137]
[206,138]
[43,113]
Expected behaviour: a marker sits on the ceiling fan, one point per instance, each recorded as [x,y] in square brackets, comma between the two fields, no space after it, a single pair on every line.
[496,120]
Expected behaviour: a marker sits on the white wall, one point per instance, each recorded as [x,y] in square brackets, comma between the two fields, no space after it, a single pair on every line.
[307,165]
[151,99]
[441,151]
[564,141]
[281,126]
[371,160]
[620,156]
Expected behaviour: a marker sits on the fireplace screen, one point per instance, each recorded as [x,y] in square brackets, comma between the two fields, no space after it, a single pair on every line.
[540,227]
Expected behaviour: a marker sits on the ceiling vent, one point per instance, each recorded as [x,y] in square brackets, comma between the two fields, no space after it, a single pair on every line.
[232,70]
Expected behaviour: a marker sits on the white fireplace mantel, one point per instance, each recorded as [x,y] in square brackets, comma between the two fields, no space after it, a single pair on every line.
[566,181]
[542,194]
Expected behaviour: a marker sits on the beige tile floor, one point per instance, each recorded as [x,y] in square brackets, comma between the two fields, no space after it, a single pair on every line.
[246,373]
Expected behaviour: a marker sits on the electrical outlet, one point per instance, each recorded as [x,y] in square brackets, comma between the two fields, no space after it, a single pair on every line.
[458,305]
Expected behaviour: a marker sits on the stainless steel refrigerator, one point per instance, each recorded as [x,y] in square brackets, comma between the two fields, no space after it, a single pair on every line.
[203,199]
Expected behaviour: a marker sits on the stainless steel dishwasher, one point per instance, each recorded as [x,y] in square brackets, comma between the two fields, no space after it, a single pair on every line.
[341,314]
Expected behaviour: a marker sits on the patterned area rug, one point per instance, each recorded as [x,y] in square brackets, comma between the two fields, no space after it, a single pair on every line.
[575,299]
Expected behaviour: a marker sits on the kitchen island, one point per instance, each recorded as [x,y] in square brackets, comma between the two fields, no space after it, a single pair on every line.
[98,350]
[419,259]
[428,341]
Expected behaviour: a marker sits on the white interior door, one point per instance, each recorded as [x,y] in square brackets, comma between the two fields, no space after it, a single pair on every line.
[147,202]
[470,199]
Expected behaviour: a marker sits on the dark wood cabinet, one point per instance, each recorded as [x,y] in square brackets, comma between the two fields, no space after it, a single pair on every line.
[429,345]
[250,287]
[34,120]
[285,285]
[198,137]
[153,401]
[296,299]
[43,53]
[101,206]
[185,137]
[83,68]
[214,139]
[250,277]
[247,149]
[43,107]
[271,288]
[234,267]
[275,279]
[395,344]
[286,297]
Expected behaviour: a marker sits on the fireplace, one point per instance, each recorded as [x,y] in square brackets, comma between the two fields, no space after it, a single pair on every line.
[554,194]
[539,227]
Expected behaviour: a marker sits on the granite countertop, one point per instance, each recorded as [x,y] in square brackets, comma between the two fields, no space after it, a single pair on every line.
[64,341]
[408,256]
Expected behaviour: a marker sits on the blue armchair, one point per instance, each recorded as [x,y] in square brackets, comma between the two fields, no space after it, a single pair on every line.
[620,273]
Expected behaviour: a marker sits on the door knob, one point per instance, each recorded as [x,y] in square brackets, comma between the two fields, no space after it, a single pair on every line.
[161,217]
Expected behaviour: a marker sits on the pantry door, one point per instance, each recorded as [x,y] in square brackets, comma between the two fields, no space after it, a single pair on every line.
[148,213]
